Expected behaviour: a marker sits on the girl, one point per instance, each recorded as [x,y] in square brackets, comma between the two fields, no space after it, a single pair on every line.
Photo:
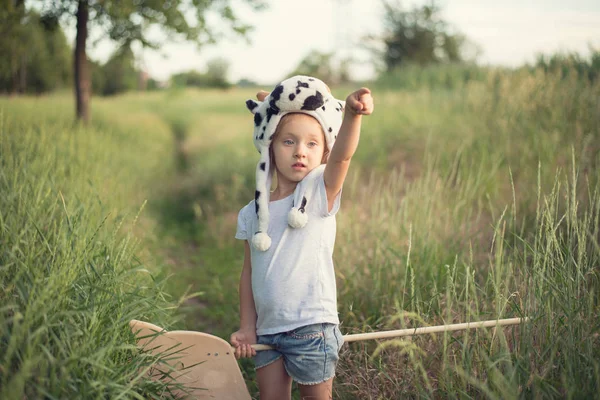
[287,286]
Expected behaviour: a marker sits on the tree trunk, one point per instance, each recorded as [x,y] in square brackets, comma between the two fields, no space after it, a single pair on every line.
[82,75]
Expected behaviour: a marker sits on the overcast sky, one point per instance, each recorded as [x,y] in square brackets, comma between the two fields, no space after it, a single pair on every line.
[508,32]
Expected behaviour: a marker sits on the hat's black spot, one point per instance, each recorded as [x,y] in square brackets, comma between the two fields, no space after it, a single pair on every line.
[262,136]
[301,209]
[264,127]
[256,196]
[297,91]
[263,166]
[251,104]
[323,108]
[335,137]
[330,130]
[311,79]
[275,96]
[257,119]
[313,102]
[272,111]
[292,96]
[302,84]
[271,137]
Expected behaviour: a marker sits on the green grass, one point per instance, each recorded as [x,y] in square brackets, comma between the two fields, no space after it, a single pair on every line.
[72,272]
[466,202]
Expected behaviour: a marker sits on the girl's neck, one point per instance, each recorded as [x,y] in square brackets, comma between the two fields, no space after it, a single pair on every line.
[284,188]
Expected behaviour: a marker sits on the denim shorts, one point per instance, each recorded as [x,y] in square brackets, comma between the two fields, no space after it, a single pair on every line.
[310,353]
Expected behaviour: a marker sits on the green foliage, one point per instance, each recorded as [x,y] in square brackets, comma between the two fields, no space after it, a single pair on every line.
[574,63]
[120,74]
[323,66]
[36,57]
[419,36]
[98,76]
[127,21]
[214,77]
[447,76]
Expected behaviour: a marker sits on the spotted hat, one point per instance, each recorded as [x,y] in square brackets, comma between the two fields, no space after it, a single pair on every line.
[298,94]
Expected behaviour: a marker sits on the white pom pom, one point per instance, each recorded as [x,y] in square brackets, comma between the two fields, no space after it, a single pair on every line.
[261,241]
[297,218]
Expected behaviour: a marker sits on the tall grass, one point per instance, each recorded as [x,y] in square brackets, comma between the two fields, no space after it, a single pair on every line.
[498,219]
[72,275]
[437,257]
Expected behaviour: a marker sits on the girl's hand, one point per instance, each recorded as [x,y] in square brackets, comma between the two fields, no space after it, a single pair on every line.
[242,341]
[262,95]
[360,102]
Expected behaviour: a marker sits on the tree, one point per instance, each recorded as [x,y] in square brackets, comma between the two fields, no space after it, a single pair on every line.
[35,51]
[323,66]
[419,36]
[128,21]
[214,77]
[119,72]
[216,72]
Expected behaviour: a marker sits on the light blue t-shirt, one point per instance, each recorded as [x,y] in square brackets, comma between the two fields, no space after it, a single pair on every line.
[293,282]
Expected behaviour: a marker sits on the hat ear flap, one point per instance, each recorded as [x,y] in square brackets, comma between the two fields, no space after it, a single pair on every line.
[303,194]
[261,240]
[252,105]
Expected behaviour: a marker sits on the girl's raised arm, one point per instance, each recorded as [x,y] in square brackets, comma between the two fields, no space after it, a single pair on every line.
[358,104]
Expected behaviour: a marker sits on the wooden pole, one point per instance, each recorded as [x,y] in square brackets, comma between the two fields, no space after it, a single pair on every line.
[420,331]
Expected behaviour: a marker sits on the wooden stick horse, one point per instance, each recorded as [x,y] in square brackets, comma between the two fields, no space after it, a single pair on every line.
[207,363]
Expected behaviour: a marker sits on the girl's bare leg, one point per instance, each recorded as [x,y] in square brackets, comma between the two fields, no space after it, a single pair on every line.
[273,382]
[321,391]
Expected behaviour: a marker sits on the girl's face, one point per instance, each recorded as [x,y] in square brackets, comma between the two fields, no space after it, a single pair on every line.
[298,146]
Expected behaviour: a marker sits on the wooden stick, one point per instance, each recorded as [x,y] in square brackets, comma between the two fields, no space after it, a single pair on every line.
[420,331]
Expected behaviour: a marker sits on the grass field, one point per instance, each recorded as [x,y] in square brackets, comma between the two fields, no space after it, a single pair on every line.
[464,202]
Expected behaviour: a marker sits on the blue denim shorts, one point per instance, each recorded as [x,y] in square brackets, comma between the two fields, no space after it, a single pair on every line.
[310,353]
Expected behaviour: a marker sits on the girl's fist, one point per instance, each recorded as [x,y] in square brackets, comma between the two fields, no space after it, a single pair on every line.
[360,102]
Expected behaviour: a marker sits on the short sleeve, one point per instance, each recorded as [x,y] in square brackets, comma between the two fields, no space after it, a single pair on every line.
[321,196]
[241,232]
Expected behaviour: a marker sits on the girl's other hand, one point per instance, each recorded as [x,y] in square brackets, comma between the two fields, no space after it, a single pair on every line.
[262,95]
[242,341]
[360,102]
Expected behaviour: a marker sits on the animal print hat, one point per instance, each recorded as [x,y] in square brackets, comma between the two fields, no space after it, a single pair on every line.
[298,94]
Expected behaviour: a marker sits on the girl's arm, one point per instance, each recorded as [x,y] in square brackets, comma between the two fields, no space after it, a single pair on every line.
[358,104]
[247,307]
[246,335]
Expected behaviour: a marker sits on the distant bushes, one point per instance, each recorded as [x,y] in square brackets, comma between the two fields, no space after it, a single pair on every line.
[214,77]
[572,63]
[452,76]
[413,76]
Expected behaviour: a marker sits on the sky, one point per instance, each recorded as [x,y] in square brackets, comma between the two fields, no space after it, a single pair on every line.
[507,32]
